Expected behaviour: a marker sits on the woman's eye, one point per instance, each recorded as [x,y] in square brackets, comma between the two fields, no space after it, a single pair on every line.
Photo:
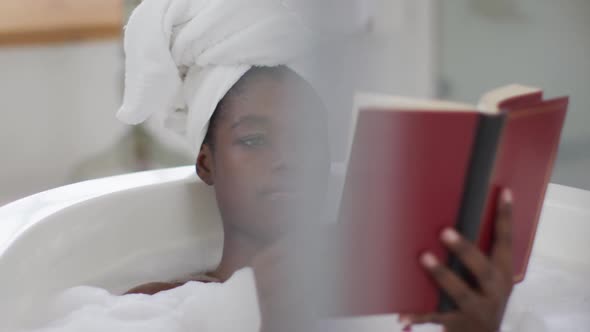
[253,141]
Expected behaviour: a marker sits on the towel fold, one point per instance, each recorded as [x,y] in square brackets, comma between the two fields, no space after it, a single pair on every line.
[183,56]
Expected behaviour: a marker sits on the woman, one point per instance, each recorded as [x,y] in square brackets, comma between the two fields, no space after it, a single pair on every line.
[260,132]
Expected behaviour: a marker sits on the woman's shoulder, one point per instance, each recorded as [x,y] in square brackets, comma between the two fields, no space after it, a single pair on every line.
[156,287]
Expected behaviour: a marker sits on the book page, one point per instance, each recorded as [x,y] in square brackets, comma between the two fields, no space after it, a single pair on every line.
[489,103]
[397,103]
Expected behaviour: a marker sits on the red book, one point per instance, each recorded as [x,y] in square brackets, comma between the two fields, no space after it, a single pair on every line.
[416,167]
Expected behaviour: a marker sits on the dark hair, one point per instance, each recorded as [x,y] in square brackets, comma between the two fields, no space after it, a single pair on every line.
[276,73]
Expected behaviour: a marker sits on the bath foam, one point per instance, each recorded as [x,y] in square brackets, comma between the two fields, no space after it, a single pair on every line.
[534,307]
[231,306]
[555,297]
[160,262]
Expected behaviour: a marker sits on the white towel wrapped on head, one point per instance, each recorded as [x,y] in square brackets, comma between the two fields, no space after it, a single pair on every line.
[183,56]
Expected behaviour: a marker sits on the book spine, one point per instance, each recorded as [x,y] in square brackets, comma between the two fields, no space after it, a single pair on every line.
[477,184]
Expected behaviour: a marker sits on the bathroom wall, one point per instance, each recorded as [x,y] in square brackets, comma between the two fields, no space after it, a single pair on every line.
[544,43]
[394,54]
[57,106]
[57,103]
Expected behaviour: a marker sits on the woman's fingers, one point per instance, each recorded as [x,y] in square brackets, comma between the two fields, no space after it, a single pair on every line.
[488,272]
[455,287]
[478,309]
[502,249]
[475,260]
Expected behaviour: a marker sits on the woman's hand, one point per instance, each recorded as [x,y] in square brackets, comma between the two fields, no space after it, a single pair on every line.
[482,309]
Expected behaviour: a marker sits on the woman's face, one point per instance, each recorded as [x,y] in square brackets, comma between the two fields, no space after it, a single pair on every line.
[270,161]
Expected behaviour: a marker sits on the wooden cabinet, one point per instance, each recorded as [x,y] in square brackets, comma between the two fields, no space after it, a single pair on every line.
[50,21]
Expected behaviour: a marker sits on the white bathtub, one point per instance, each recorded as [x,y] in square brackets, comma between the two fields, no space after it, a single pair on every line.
[109,232]
[104,233]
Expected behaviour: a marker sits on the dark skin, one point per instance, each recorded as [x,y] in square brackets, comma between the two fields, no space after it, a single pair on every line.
[268,174]
[480,309]
[268,161]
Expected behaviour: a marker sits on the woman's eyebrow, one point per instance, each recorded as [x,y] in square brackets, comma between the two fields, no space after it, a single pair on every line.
[250,120]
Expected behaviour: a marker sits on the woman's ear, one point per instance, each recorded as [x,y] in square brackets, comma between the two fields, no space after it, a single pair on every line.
[204,164]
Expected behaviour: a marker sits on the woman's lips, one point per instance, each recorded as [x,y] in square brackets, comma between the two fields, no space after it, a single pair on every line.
[280,193]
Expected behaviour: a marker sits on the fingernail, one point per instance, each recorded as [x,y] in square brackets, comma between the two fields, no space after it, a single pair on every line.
[429,260]
[450,235]
[405,322]
[507,196]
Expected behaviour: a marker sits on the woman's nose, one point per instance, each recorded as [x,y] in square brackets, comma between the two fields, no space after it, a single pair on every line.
[286,154]
[281,161]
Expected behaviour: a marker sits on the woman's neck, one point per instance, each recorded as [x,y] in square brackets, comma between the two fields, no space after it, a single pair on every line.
[238,251]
